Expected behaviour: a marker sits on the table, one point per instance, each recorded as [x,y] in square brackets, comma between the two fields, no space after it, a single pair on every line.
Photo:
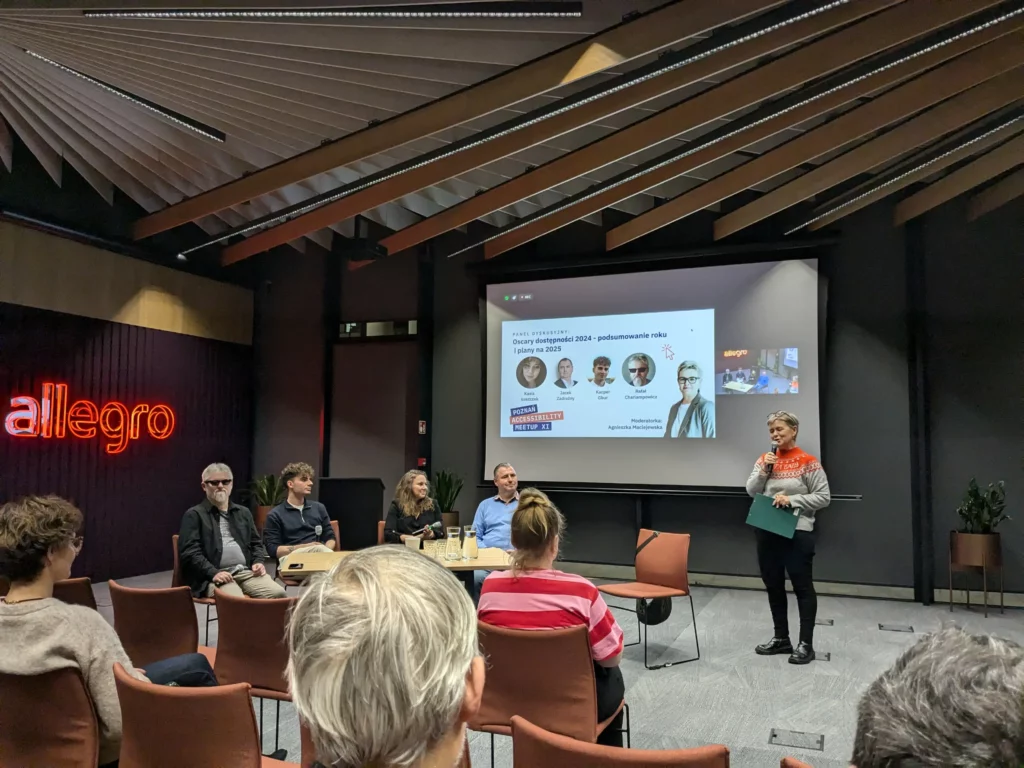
[490,559]
[735,386]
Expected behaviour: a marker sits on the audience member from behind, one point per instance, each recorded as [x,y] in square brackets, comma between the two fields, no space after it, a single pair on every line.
[413,514]
[219,545]
[493,518]
[384,666]
[39,540]
[534,595]
[298,524]
[954,699]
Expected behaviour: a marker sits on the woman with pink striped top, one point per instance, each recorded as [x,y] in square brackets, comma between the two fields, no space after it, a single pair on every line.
[534,595]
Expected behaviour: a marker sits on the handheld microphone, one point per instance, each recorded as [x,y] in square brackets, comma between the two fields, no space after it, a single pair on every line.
[775,450]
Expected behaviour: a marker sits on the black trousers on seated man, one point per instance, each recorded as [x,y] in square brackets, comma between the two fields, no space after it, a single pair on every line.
[611,689]
[777,556]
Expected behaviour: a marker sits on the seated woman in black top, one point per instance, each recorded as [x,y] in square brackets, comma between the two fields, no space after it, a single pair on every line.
[412,510]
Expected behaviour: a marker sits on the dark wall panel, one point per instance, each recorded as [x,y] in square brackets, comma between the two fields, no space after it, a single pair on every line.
[133,501]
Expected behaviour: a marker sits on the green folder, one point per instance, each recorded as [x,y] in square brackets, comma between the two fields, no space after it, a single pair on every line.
[765,515]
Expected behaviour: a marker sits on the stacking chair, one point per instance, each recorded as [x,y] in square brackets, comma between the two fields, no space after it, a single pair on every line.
[545,676]
[170,727]
[309,759]
[75,592]
[289,582]
[48,720]
[156,624]
[380,531]
[252,648]
[176,582]
[792,762]
[661,571]
[533,747]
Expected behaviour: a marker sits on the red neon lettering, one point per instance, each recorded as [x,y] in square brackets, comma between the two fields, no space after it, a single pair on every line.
[51,417]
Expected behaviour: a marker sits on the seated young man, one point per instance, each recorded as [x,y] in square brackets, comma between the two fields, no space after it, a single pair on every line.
[219,545]
[298,524]
[384,666]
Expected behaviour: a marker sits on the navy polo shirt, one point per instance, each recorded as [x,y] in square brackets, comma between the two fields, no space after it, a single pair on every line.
[289,526]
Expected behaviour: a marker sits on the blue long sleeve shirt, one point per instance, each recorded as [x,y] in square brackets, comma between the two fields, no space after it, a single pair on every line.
[493,522]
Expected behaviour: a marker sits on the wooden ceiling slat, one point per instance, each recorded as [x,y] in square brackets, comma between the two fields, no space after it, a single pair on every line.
[996,196]
[948,116]
[47,156]
[729,58]
[1003,40]
[988,166]
[863,200]
[629,40]
[790,70]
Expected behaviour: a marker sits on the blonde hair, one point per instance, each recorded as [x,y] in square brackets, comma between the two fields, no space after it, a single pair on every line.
[787,418]
[406,500]
[535,524]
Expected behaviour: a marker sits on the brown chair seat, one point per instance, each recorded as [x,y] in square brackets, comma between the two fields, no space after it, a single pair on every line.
[534,747]
[75,592]
[47,720]
[792,762]
[155,718]
[635,589]
[155,624]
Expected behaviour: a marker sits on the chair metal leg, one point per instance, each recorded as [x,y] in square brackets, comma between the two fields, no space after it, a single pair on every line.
[693,614]
[624,608]
[208,606]
[277,727]
[492,750]
[628,743]
[261,726]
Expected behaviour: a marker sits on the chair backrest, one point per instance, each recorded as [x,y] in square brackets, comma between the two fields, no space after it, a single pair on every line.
[176,573]
[380,531]
[664,560]
[544,675]
[251,643]
[170,727]
[309,750]
[154,624]
[47,720]
[533,747]
[75,592]
[792,762]
[337,535]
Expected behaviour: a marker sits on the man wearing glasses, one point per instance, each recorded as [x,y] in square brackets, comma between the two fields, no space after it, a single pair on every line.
[639,367]
[219,546]
[694,415]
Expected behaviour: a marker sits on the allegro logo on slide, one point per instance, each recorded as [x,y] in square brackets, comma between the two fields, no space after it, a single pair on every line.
[51,417]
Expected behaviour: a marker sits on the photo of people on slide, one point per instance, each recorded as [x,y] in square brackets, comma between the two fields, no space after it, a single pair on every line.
[601,367]
[638,369]
[757,372]
[531,372]
[565,380]
[694,415]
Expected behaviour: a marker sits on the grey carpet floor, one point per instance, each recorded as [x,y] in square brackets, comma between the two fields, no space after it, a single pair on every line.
[730,696]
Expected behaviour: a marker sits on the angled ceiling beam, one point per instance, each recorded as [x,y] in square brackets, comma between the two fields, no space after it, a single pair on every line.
[766,121]
[988,166]
[949,79]
[629,40]
[921,169]
[999,194]
[948,116]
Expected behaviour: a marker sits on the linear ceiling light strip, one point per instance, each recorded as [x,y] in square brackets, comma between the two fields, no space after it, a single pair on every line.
[663,66]
[174,117]
[915,170]
[729,131]
[498,10]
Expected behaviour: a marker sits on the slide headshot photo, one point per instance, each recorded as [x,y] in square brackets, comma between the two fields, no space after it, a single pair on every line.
[531,372]
[565,380]
[601,367]
[694,415]
[638,369]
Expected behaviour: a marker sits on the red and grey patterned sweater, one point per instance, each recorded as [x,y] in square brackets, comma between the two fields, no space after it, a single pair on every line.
[798,475]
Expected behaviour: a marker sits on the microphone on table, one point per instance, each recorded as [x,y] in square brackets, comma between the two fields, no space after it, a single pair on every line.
[775,450]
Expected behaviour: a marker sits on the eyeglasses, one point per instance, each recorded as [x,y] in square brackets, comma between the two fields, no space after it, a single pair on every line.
[635,370]
[689,379]
[76,543]
[217,483]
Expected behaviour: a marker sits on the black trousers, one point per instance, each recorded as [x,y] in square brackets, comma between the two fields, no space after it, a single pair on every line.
[777,556]
[611,689]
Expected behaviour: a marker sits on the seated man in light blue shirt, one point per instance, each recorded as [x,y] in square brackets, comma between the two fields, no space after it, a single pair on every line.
[493,519]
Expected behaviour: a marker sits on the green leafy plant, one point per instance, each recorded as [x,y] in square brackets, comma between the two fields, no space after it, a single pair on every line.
[447,487]
[266,491]
[981,511]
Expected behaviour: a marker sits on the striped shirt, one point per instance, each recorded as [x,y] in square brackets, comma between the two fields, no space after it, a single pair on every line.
[550,600]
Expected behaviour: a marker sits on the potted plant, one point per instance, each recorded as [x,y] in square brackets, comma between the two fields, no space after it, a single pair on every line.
[447,487]
[265,493]
[976,544]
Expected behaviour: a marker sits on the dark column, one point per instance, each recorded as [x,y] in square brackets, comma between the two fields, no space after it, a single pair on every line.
[425,347]
[333,274]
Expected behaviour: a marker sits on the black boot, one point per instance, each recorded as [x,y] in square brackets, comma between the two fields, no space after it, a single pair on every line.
[774,646]
[804,654]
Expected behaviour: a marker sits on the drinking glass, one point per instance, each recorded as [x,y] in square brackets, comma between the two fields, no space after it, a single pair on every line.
[453,547]
[470,551]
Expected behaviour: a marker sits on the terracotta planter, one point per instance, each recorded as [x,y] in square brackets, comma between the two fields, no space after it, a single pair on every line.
[978,550]
[450,519]
[261,517]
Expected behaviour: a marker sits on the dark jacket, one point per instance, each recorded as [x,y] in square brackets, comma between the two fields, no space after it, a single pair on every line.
[396,524]
[698,419]
[200,548]
[288,526]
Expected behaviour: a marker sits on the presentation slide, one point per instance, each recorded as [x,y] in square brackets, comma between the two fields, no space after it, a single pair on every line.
[581,373]
[604,375]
